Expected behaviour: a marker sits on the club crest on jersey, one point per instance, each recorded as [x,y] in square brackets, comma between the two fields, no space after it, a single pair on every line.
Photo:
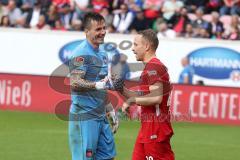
[153,136]
[89,153]
[78,61]
[152,73]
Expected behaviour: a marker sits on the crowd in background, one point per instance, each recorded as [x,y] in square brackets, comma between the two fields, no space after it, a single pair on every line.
[215,19]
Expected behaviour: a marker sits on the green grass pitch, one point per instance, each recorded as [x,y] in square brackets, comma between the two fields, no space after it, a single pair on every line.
[38,136]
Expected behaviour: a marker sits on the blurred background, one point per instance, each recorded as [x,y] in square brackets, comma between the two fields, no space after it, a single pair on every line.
[198,42]
[213,19]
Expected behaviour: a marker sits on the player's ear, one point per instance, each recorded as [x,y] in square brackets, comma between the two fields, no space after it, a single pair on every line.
[145,44]
[147,47]
[86,31]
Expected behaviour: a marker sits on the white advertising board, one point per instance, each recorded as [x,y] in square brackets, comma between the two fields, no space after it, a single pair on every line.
[41,52]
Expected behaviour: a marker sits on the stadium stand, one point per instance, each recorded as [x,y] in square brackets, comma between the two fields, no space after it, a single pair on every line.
[176,17]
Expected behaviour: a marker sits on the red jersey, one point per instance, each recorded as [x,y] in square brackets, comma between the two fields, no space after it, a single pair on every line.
[61,3]
[98,5]
[231,3]
[155,120]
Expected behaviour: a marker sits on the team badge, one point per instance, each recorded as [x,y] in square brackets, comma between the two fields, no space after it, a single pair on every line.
[152,73]
[89,153]
[78,61]
[153,136]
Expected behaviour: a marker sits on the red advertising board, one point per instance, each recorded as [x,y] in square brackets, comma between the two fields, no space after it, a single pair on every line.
[216,105]
[28,93]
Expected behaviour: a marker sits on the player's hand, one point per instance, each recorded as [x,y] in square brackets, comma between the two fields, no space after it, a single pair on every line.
[118,83]
[127,104]
[125,107]
[112,117]
[111,83]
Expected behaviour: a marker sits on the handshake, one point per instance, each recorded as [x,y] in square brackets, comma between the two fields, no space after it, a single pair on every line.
[111,83]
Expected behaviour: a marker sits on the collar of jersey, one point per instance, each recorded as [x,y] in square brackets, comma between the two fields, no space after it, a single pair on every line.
[95,50]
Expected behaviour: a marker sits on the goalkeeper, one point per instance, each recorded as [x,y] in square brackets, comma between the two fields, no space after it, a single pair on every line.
[90,135]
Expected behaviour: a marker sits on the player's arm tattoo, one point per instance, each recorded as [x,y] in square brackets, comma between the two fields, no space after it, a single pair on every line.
[78,83]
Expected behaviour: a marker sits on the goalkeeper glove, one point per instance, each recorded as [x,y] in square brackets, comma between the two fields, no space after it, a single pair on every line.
[112,117]
[110,84]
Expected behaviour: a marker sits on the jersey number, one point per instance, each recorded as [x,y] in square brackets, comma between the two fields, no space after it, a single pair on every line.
[149,158]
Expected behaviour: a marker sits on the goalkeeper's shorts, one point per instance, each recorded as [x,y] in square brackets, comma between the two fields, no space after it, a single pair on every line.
[91,140]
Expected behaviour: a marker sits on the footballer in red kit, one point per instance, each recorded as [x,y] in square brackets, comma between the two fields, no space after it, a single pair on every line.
[153,140]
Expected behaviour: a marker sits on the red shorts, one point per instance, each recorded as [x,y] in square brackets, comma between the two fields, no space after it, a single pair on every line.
[153,151]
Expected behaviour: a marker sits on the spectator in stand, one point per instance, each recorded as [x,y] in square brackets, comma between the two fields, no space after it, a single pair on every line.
[200,24]
[18,3]
[59,26]
[98,5]
[4,2]
[130,16]
[76,25]
[203,33]
[217,26]
[133,6]
[111,29]
[14,13]
[235,21]
[117,3]
[22,23]
[2,10]
[157,22]
[45,4]
[179,21]
[186,76]
[107,16]
[234,34]
[37,11]
[81,8]
[233,28]
[27,7]
[193,5]
[213,5]
[165,32]
[139,3]
[139,23]
[52,16]
[64,9]
[41,25]
[170,7]
[5,22]
[123,19]
[188,31]
[152,10]
[230,7]
[218,34]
